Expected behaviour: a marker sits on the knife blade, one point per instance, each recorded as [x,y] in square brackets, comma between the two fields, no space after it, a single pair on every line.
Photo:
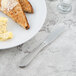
[25,61]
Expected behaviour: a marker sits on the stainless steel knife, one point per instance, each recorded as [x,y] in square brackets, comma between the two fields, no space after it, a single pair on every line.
[52,37]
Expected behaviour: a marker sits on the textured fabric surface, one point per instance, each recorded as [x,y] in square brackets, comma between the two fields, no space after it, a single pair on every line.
[58,59]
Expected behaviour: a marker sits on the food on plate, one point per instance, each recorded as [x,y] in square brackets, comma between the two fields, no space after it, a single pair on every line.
[13,9]
[26,6]
[3,25]
[4,34]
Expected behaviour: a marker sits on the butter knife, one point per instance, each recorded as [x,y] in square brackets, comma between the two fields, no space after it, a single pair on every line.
[25,61]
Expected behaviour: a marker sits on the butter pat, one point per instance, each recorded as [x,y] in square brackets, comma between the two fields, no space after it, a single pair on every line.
[4,4]
[8,4]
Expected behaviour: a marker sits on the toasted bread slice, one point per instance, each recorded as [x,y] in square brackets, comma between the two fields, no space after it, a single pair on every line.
[26,6]
[15,11]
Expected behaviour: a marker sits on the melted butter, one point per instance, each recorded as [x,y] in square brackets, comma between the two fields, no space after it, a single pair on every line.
[8,4]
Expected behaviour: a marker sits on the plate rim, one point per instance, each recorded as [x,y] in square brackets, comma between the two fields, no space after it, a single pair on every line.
[31,35]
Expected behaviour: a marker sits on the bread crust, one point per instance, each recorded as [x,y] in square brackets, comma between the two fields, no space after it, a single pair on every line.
[17,15]
[26,6]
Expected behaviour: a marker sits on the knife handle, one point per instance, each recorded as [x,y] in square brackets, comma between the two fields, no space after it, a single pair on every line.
[27,59]
[53,36]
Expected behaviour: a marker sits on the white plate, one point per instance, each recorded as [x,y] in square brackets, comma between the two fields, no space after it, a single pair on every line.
[35,20]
